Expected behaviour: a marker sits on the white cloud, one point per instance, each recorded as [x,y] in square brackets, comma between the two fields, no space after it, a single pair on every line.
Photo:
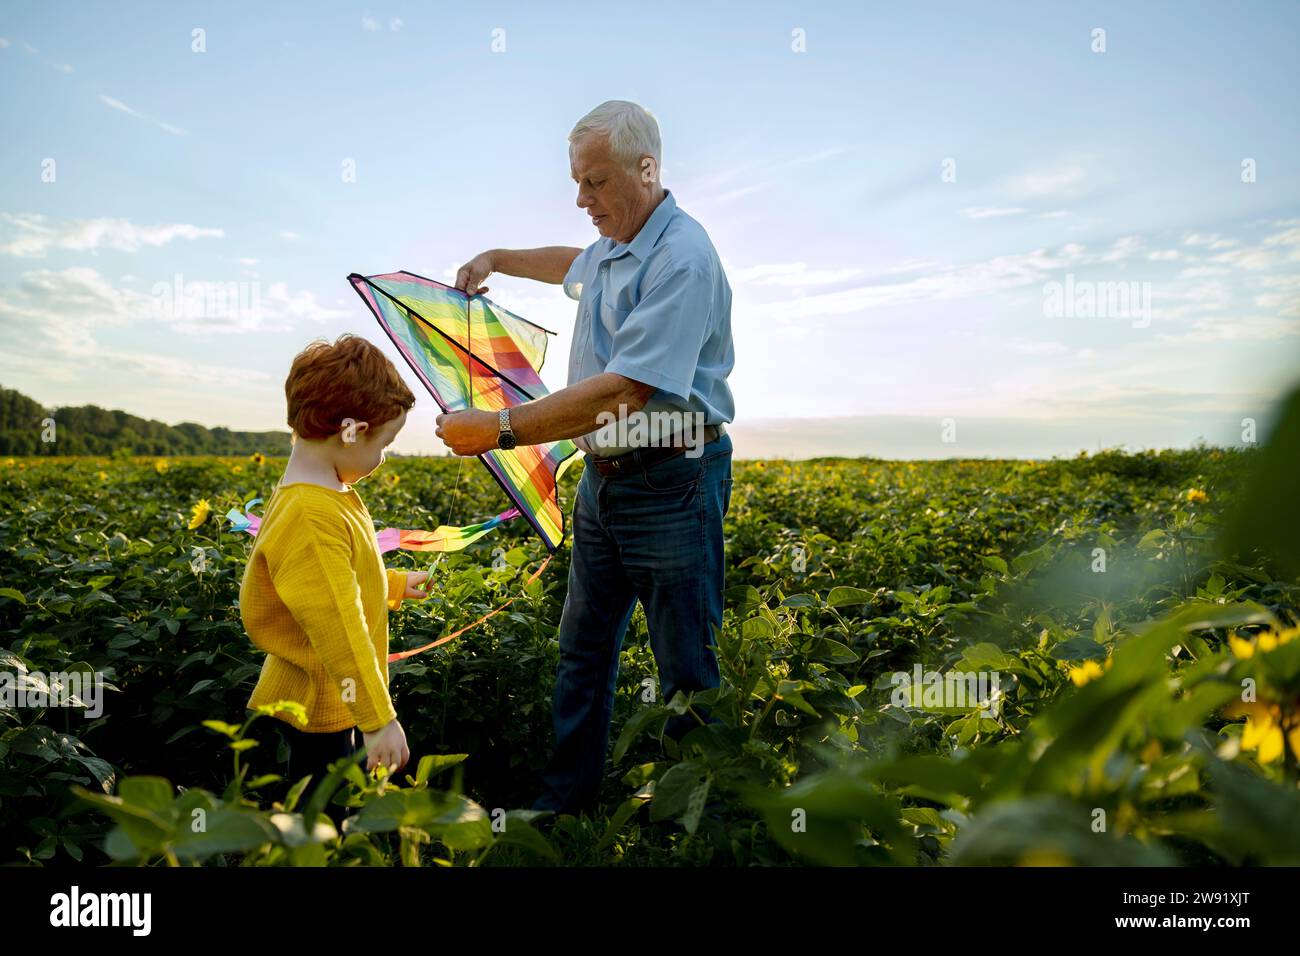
[1068,181]
[68,304]
[290,236]
[372,25]
[740,192]
[1285,299]
[980,278]
[297,305]
[990,212]
[791,274]
[1039,348]
[118,105]
[32,236]
[1126,247]
[909,265]
[1252,260]
[1236,328]
[708,189]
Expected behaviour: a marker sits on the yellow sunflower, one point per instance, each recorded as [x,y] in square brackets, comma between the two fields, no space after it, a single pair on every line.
[1265,733]
[1088,671]
[201,512]
[1244,649]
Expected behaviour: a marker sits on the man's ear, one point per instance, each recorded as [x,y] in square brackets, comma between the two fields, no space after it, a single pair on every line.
[647,169]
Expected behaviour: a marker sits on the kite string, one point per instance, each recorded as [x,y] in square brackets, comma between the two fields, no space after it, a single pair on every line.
[403,655]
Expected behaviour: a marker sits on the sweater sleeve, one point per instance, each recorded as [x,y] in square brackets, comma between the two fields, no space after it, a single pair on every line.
[317,583]
[396,587]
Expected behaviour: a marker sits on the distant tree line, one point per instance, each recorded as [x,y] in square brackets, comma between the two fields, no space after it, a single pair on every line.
[91,430]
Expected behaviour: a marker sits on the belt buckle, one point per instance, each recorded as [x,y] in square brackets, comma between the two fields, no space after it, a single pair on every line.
[608,465]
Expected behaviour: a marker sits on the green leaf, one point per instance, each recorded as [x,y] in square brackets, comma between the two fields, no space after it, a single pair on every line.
[1266,516]
[520,833]
[626,810]
[1152,540]
[822,818]
[681,793]
[994,563]
[149,793]
[846,596]
[1079,649]
[635,724]
[1047,830]
[433,764]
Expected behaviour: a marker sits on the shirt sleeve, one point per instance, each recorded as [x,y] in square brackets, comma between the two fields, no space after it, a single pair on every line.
[396,587]
[573,278]
[317,583]
[659,341]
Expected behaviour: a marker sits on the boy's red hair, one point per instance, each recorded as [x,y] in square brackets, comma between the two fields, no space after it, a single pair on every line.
[349,379]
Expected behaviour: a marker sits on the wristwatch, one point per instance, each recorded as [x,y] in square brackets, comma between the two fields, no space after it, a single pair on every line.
[505,437]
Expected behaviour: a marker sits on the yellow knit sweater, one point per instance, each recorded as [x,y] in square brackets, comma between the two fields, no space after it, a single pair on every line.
[315,596]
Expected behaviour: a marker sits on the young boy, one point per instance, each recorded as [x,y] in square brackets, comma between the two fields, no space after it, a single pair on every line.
[315,593]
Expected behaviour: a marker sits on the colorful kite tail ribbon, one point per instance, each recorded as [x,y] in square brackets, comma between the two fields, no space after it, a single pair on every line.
[442,538]
[403,655]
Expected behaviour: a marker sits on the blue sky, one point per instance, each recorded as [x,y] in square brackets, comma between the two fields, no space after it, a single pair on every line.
[875,299]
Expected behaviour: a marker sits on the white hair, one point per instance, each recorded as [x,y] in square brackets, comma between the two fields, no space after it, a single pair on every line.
[632,130]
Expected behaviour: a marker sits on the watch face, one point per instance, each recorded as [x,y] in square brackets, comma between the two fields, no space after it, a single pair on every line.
[507,441]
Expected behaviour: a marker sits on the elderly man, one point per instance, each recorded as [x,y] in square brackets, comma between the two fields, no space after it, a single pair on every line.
[653,340]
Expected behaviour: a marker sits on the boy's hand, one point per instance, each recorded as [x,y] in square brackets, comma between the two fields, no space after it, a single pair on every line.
[388,747]
[415,581]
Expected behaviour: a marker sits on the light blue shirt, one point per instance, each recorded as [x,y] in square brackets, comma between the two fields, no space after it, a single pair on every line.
[657,310]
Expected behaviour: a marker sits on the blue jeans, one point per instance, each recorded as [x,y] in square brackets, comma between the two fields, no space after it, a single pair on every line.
[653,535]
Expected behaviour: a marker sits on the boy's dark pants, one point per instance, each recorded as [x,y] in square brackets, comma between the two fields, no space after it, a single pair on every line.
[312,754]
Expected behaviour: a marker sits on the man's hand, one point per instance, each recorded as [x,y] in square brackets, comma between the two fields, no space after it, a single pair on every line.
[388,747]
[474,272]
[470,432]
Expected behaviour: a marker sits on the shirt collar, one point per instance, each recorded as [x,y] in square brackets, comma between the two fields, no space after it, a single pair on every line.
[644,241]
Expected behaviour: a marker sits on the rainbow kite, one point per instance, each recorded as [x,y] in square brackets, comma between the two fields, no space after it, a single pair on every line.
[471,353]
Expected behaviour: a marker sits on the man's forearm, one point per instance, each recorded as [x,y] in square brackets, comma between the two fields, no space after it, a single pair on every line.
[547,264]
[573,411]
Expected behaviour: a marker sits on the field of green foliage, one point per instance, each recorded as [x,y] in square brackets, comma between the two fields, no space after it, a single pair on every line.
[1147,707]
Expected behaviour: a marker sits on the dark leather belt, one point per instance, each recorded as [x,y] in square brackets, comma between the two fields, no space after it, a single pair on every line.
[641,458]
